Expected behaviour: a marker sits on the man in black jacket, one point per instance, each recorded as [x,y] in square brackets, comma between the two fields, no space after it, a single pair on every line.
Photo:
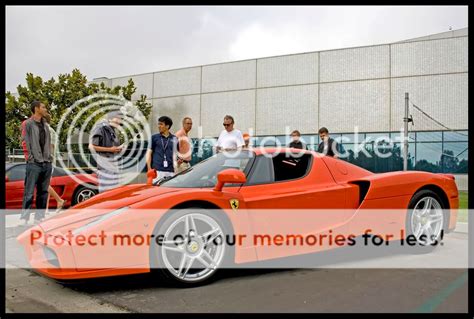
[328,146]
[296,143]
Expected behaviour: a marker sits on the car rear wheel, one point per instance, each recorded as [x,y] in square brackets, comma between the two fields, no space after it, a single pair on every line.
[426,221]
[82,193]
[192,247]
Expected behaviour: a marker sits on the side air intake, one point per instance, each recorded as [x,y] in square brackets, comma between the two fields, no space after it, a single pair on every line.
[363,189]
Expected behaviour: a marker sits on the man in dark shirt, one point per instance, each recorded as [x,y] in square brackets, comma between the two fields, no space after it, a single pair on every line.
[296,143]
[328,146]
[36,144]
[161,153]
[42,134]
[106,143]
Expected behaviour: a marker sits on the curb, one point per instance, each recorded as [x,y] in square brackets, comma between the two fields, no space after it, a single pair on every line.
[21,295]
[461,228]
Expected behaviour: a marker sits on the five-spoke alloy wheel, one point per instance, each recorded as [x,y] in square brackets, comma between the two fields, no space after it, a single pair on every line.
[83,194]
[426,220]
[191,247]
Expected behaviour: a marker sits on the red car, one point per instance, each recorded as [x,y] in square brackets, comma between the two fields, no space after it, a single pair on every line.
[67,187]
[249,194]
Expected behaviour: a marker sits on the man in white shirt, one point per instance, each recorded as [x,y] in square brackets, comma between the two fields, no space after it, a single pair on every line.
[230,138]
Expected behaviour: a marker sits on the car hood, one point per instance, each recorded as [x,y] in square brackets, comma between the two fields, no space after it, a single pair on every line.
[103,203]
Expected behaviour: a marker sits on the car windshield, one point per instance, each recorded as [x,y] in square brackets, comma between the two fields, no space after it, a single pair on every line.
[205,173]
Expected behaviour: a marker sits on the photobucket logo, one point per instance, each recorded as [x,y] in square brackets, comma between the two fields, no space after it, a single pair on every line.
[91,116]
[381,146]
[345,146]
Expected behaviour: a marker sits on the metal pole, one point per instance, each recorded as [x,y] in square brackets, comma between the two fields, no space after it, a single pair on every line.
[405,135]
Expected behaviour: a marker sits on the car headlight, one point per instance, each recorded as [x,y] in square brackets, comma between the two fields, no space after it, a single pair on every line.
[99,220]
[51,256]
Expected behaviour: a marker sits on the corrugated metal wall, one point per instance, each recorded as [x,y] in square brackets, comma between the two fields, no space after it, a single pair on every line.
[339,89]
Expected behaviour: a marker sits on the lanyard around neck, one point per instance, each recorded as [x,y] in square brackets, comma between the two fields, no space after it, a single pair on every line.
[163,144]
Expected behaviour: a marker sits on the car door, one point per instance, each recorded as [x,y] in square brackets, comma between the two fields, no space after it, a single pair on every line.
[15,186]
[288,196]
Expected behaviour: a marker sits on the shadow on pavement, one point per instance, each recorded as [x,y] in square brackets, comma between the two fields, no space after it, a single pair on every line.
[311,262]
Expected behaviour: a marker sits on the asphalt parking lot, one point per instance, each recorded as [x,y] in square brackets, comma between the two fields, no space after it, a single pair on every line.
[256,290]
[308,290]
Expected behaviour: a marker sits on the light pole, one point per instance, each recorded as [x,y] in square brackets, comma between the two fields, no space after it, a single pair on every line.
[405,134]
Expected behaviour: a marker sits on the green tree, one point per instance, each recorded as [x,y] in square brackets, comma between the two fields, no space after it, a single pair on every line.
[59,95]
[424,165]
[462,167]
[448,162]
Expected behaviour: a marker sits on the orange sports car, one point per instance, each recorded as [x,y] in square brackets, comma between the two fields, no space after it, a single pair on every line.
[257,195]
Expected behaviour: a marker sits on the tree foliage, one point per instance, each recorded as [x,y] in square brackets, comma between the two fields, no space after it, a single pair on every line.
[59,95]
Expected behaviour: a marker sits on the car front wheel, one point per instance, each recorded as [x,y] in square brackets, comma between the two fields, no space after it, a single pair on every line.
[192,247]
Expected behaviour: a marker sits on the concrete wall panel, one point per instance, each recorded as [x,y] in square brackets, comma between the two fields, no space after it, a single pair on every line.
[229,76]
[355,64]
[239,104]
[177,82]
[365,104]
[287,70]
[292,106]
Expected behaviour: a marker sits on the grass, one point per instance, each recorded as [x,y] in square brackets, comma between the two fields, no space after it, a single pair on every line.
[462,214]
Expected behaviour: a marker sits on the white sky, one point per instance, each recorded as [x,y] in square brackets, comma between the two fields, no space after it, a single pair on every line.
[119,41]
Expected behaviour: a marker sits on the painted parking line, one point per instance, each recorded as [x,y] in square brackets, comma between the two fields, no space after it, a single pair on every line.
[431,304]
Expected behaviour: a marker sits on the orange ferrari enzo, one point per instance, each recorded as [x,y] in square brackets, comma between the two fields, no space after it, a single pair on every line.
[264,191]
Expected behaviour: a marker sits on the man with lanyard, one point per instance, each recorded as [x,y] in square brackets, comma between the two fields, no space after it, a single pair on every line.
[161,153]
[106,143]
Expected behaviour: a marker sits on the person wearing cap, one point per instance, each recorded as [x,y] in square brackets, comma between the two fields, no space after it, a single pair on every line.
[105,142]
[183,158]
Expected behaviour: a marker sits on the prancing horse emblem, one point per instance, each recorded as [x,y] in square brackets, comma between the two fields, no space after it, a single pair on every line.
[234,203]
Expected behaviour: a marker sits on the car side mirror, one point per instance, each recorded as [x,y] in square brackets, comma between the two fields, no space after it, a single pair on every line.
[229,176]
[6,179]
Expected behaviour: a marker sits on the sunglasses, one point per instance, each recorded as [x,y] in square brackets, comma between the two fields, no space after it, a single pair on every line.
[226,125]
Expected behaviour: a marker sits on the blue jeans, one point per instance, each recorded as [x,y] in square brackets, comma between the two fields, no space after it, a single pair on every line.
[39,175]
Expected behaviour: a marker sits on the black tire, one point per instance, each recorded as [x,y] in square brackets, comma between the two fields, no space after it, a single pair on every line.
[156,251]
[419,247]
[76,198]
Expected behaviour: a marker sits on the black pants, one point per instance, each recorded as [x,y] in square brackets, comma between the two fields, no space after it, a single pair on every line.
[39,175]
